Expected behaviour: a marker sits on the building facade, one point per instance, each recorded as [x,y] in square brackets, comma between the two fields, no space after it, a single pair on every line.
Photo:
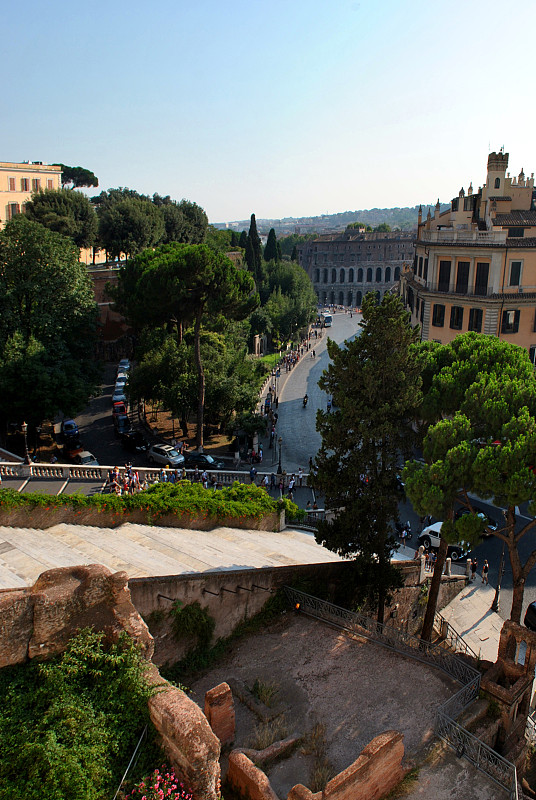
[343,267]
[475,264]
[19,181]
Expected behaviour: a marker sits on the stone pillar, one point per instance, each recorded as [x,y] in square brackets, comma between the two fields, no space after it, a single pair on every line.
[422,557]
[448,565]
[219,710]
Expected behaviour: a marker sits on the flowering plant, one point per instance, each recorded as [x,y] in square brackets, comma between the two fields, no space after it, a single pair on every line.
[160,785]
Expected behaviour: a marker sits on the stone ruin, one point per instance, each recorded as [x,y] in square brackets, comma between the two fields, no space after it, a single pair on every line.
[38,622]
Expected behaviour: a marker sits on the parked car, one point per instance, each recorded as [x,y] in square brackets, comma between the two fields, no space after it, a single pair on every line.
[119,396]
[72,449]
[431,537]
[86,459]
[164,454]
[123,366]
[491,524]
[118,409]
[69,430]
[134,441]
[122,424]
[203,461]
[121,381]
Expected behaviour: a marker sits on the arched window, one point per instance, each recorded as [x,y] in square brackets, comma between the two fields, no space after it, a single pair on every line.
[334,276]
[378,275]
[497,183]
[358,298]
[324,298]
[325,276]
[341,298]
[387,274]
[351,275]
[369,275]
[397,273]
[350,299]
[521,653]
[332,298]
[341,276]
[360,275]
[317,275]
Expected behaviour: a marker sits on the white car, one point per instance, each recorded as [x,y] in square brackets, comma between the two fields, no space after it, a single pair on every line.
[86,459]
[164,454]
[431,537]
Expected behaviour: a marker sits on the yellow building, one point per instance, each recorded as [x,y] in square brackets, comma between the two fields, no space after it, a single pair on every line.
[19,181]
[475,263]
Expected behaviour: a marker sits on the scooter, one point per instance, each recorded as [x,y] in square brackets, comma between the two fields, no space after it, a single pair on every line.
[305,399]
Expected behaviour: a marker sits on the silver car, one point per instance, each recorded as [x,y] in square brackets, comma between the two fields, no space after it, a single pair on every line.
[164,454]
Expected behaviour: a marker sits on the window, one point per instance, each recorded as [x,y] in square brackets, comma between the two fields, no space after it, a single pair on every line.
[475,320]
[12,185]
[36,184]
[456,318]
[350,299]
[481,281]
[25,184]
[422,311]
[444,276]
[378,275]
[438,316]
[387,274]
[369,275]
[397,273]
[341,276]
[334,276]
[419,271]
[462,278]
[50,184]
[360,275]
[516,233]
[410,299]
[510,322]
[425,270]
[317,275]
[497,183]
[358,298]
[325,276]
[12,210]
[350,275]
[532,353]
[515,273]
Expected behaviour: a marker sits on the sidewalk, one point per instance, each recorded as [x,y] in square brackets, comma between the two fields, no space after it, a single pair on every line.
[470,616]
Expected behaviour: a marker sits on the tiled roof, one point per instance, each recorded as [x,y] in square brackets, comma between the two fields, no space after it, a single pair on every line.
[515,218]
[514,241]
[505,197]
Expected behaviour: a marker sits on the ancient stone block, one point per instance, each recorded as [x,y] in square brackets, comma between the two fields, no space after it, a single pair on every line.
[219,710]
[16,621]
[247,779]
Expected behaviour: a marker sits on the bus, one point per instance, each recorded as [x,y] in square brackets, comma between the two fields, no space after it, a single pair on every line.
[326,320]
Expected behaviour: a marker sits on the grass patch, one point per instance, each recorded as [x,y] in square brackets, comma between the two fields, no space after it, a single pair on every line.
[314,742]
[265,691]
[321,773]
[271,360]
[266,733]
[406,785]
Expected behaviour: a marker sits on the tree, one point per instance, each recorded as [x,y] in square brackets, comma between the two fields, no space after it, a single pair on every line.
[383,227]
[242,242]
[270,251]
[294,254]
[76,177]
[129,226]
[375,384]
[64,211]
[254,252]
[48,318]
[486,444]
[176,285]
[184,222]
[359,225]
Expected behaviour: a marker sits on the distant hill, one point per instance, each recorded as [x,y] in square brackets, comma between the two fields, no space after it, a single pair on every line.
[404,219]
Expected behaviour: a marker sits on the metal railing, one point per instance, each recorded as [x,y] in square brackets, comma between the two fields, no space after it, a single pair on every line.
[452,637]
[484,758]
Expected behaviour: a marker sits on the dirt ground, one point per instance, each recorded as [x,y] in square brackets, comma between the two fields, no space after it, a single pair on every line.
[356,688]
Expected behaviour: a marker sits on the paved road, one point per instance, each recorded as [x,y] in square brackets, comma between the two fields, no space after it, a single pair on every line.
[297,425]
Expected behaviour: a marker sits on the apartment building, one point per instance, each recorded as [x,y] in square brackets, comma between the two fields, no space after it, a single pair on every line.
[343,267]
[19,181]
[475,263]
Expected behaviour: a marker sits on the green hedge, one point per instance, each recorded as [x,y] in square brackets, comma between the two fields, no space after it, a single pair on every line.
[239,501]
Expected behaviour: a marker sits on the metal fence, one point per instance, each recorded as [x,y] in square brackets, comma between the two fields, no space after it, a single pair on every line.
[484,758]
[452,637]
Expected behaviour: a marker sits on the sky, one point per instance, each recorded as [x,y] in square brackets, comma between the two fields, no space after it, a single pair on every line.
[282,108]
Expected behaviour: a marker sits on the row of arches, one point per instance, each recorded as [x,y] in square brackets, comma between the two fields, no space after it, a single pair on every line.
[332,298]
[380,277]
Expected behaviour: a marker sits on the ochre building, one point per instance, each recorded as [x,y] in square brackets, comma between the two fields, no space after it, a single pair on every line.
[475,263]
[19,181]
[343,267]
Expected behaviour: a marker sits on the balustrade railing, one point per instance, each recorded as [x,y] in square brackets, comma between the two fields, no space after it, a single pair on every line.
[452,637]
[484,758]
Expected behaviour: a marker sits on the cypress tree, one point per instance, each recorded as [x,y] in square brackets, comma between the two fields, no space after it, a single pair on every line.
[254,238]
[235,239]
[294,256]
[279,254]
[243,239]
[270,251]
[250,256]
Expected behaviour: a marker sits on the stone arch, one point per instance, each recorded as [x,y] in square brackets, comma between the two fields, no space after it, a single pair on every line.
[341,298]
[397,273]
[334,276]
[324,298]
[369,275]
[332,298]
[350,298]
[378,274]
[341,276]
[360,275]
[387,274]
[351,275]
[358,298]
[317,276]
[325,276]
[511,647]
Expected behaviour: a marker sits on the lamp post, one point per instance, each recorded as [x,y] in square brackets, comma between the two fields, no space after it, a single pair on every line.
[495,604]
[24,427]
[279,467]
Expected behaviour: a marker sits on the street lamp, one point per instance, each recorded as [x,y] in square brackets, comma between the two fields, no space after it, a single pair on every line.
[495,604]
[279,467]
[24,427]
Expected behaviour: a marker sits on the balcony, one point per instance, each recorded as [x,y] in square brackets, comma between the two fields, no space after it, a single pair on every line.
[454,236]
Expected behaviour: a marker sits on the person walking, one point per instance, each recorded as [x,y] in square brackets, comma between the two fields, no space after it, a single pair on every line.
[474,565]
[252,474]
[485,570]
[300,476]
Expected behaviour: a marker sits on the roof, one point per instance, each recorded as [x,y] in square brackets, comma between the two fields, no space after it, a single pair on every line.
[514,241]
[515,218]
[498,199]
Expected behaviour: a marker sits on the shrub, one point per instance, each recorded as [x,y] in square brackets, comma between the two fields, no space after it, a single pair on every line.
[192,620]
[160,784]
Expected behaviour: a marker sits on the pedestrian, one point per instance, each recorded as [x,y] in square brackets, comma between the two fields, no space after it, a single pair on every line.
[272,480]
[474,565]
[308,505]
[485,570]
[281,486]
[310,463]
[300,476]
[260,454]
[264,482]
[252,474]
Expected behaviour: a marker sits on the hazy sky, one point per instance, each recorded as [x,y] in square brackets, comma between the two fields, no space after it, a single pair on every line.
[282,108]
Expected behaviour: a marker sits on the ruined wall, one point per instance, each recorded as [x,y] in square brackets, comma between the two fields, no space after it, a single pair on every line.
[375,773]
